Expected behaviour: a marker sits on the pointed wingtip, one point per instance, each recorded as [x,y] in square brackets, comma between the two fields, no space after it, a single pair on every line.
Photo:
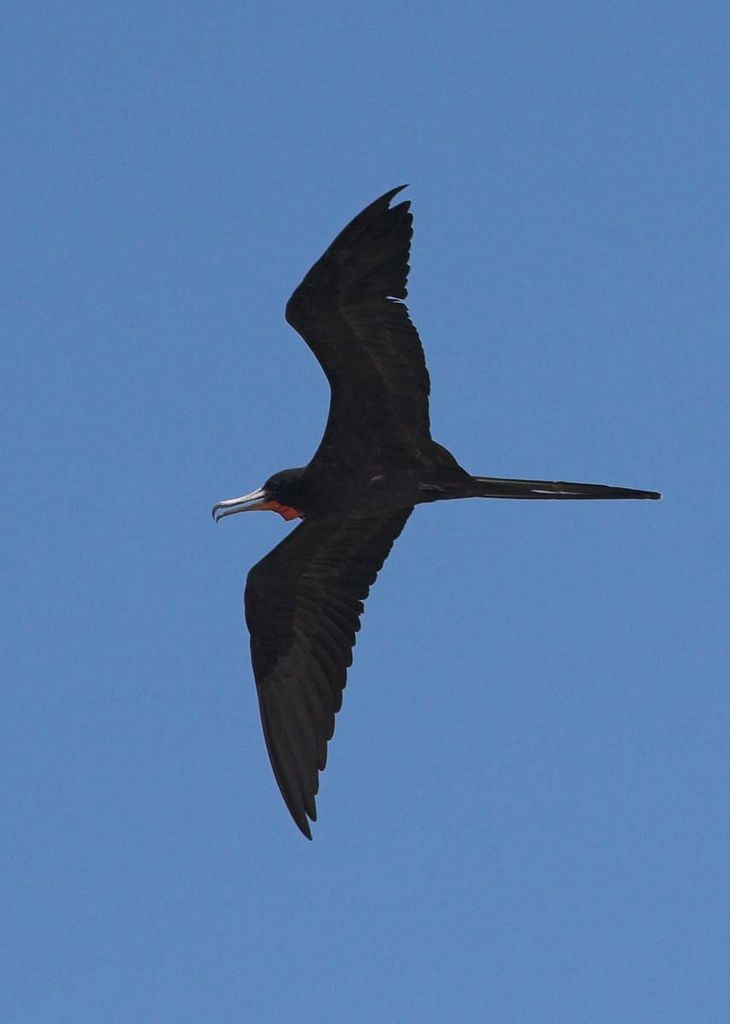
[386,197]
[394,191]
[302,824]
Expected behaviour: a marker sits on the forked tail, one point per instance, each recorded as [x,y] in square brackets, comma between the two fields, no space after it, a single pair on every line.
[493,487]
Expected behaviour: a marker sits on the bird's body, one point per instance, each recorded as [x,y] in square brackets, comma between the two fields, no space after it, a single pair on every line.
[376,461]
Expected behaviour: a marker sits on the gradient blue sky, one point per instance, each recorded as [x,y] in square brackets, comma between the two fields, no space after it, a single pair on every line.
[525,814]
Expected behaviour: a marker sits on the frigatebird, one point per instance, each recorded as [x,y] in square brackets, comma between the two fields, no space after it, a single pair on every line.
[376,461]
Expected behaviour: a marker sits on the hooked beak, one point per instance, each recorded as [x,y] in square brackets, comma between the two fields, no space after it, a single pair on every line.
[255,501]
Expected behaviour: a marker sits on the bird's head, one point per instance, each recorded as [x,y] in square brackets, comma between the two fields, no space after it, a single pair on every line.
[281,493]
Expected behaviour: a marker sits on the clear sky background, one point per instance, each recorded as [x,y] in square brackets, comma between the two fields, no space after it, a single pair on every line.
[525,813]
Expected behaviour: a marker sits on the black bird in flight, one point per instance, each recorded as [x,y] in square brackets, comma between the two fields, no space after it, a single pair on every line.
[376,460]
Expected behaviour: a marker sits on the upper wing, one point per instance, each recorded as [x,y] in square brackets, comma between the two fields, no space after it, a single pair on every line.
[347,311]
[303,606]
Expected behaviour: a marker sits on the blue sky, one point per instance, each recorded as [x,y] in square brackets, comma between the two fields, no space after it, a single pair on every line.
[524,816]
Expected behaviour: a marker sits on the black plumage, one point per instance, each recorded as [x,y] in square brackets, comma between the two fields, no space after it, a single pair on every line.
[375,462]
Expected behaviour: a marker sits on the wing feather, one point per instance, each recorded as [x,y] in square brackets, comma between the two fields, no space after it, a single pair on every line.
[303,606]
[347,309]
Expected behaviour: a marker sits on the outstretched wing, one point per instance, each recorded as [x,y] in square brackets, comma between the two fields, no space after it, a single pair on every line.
[303,606]
[347,311]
